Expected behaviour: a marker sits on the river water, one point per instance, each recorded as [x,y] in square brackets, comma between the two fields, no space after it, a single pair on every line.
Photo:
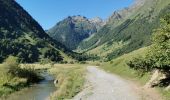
[40,91]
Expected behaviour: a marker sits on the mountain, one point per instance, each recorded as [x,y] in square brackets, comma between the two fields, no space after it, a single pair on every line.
[98,22]
[127,29]
[74,29]
[23,37]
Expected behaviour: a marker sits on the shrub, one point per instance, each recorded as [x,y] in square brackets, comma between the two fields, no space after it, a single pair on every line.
[11,67]
[30,74]
[82,62]
[140,63]
[71,62]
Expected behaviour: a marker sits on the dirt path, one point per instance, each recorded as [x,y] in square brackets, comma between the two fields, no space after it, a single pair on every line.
[101,85]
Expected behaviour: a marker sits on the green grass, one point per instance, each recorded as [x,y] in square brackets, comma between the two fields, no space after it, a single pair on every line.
[118,66]
[124,71]
[14,77]
[166,94]
[9,84]
[107,48]
[70,80]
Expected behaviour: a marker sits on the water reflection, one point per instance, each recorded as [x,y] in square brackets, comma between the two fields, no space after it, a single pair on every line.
[40,91]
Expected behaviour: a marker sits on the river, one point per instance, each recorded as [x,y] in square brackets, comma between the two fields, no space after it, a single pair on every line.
[40,91]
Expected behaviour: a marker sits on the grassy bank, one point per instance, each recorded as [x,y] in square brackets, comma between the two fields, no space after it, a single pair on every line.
[119,66]
[10,84]
[13,77]
[70,80]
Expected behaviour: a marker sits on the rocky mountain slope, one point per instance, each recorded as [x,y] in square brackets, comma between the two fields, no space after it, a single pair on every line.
[22,36]
[73,29]
[128,29]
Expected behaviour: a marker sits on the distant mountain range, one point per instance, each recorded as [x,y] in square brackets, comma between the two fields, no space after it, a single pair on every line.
[74,29]
[127,29]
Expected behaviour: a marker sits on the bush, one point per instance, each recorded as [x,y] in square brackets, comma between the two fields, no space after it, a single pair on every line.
[14,78]
[30,74]
[53,55]
[71,62]
[82,62]
[63,62]
[141,64]
[11,66]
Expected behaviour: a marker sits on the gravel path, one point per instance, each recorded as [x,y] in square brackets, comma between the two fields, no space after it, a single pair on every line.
[101,85]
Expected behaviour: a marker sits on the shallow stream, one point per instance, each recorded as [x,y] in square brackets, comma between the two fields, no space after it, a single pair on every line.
[39,91]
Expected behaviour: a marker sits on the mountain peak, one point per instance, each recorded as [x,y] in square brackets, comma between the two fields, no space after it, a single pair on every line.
[96,19]
[127,11]
[77,18]
[72,30]
[98,22]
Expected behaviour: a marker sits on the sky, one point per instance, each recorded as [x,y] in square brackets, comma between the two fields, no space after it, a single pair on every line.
[49,12]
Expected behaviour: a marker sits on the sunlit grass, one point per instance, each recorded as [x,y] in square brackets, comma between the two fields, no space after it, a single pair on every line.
[119,66]
[105,49]
[13,77]
[70,80]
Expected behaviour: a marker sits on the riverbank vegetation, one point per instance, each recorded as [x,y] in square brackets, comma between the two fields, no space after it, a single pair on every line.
[14,78]
[70,80]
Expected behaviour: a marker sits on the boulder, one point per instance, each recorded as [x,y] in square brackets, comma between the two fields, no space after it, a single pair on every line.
[55,81]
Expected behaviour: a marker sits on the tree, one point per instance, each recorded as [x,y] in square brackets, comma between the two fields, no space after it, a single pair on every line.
[158,56]
[11,65]
[160,49]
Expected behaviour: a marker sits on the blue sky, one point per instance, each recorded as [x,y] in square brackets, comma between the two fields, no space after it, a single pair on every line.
[49,12]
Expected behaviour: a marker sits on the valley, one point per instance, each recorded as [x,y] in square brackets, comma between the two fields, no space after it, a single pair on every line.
[123,57]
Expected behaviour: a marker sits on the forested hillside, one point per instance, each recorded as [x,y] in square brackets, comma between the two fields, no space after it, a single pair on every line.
[23,37]
[128,29]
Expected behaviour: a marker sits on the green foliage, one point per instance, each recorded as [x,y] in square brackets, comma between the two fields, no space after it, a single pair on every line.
[119,66]
[85,57]
[160,50]
[140,64]
[158,55]
[53,55]
[14,78]
[25,51]
[11,66]
[30,74]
